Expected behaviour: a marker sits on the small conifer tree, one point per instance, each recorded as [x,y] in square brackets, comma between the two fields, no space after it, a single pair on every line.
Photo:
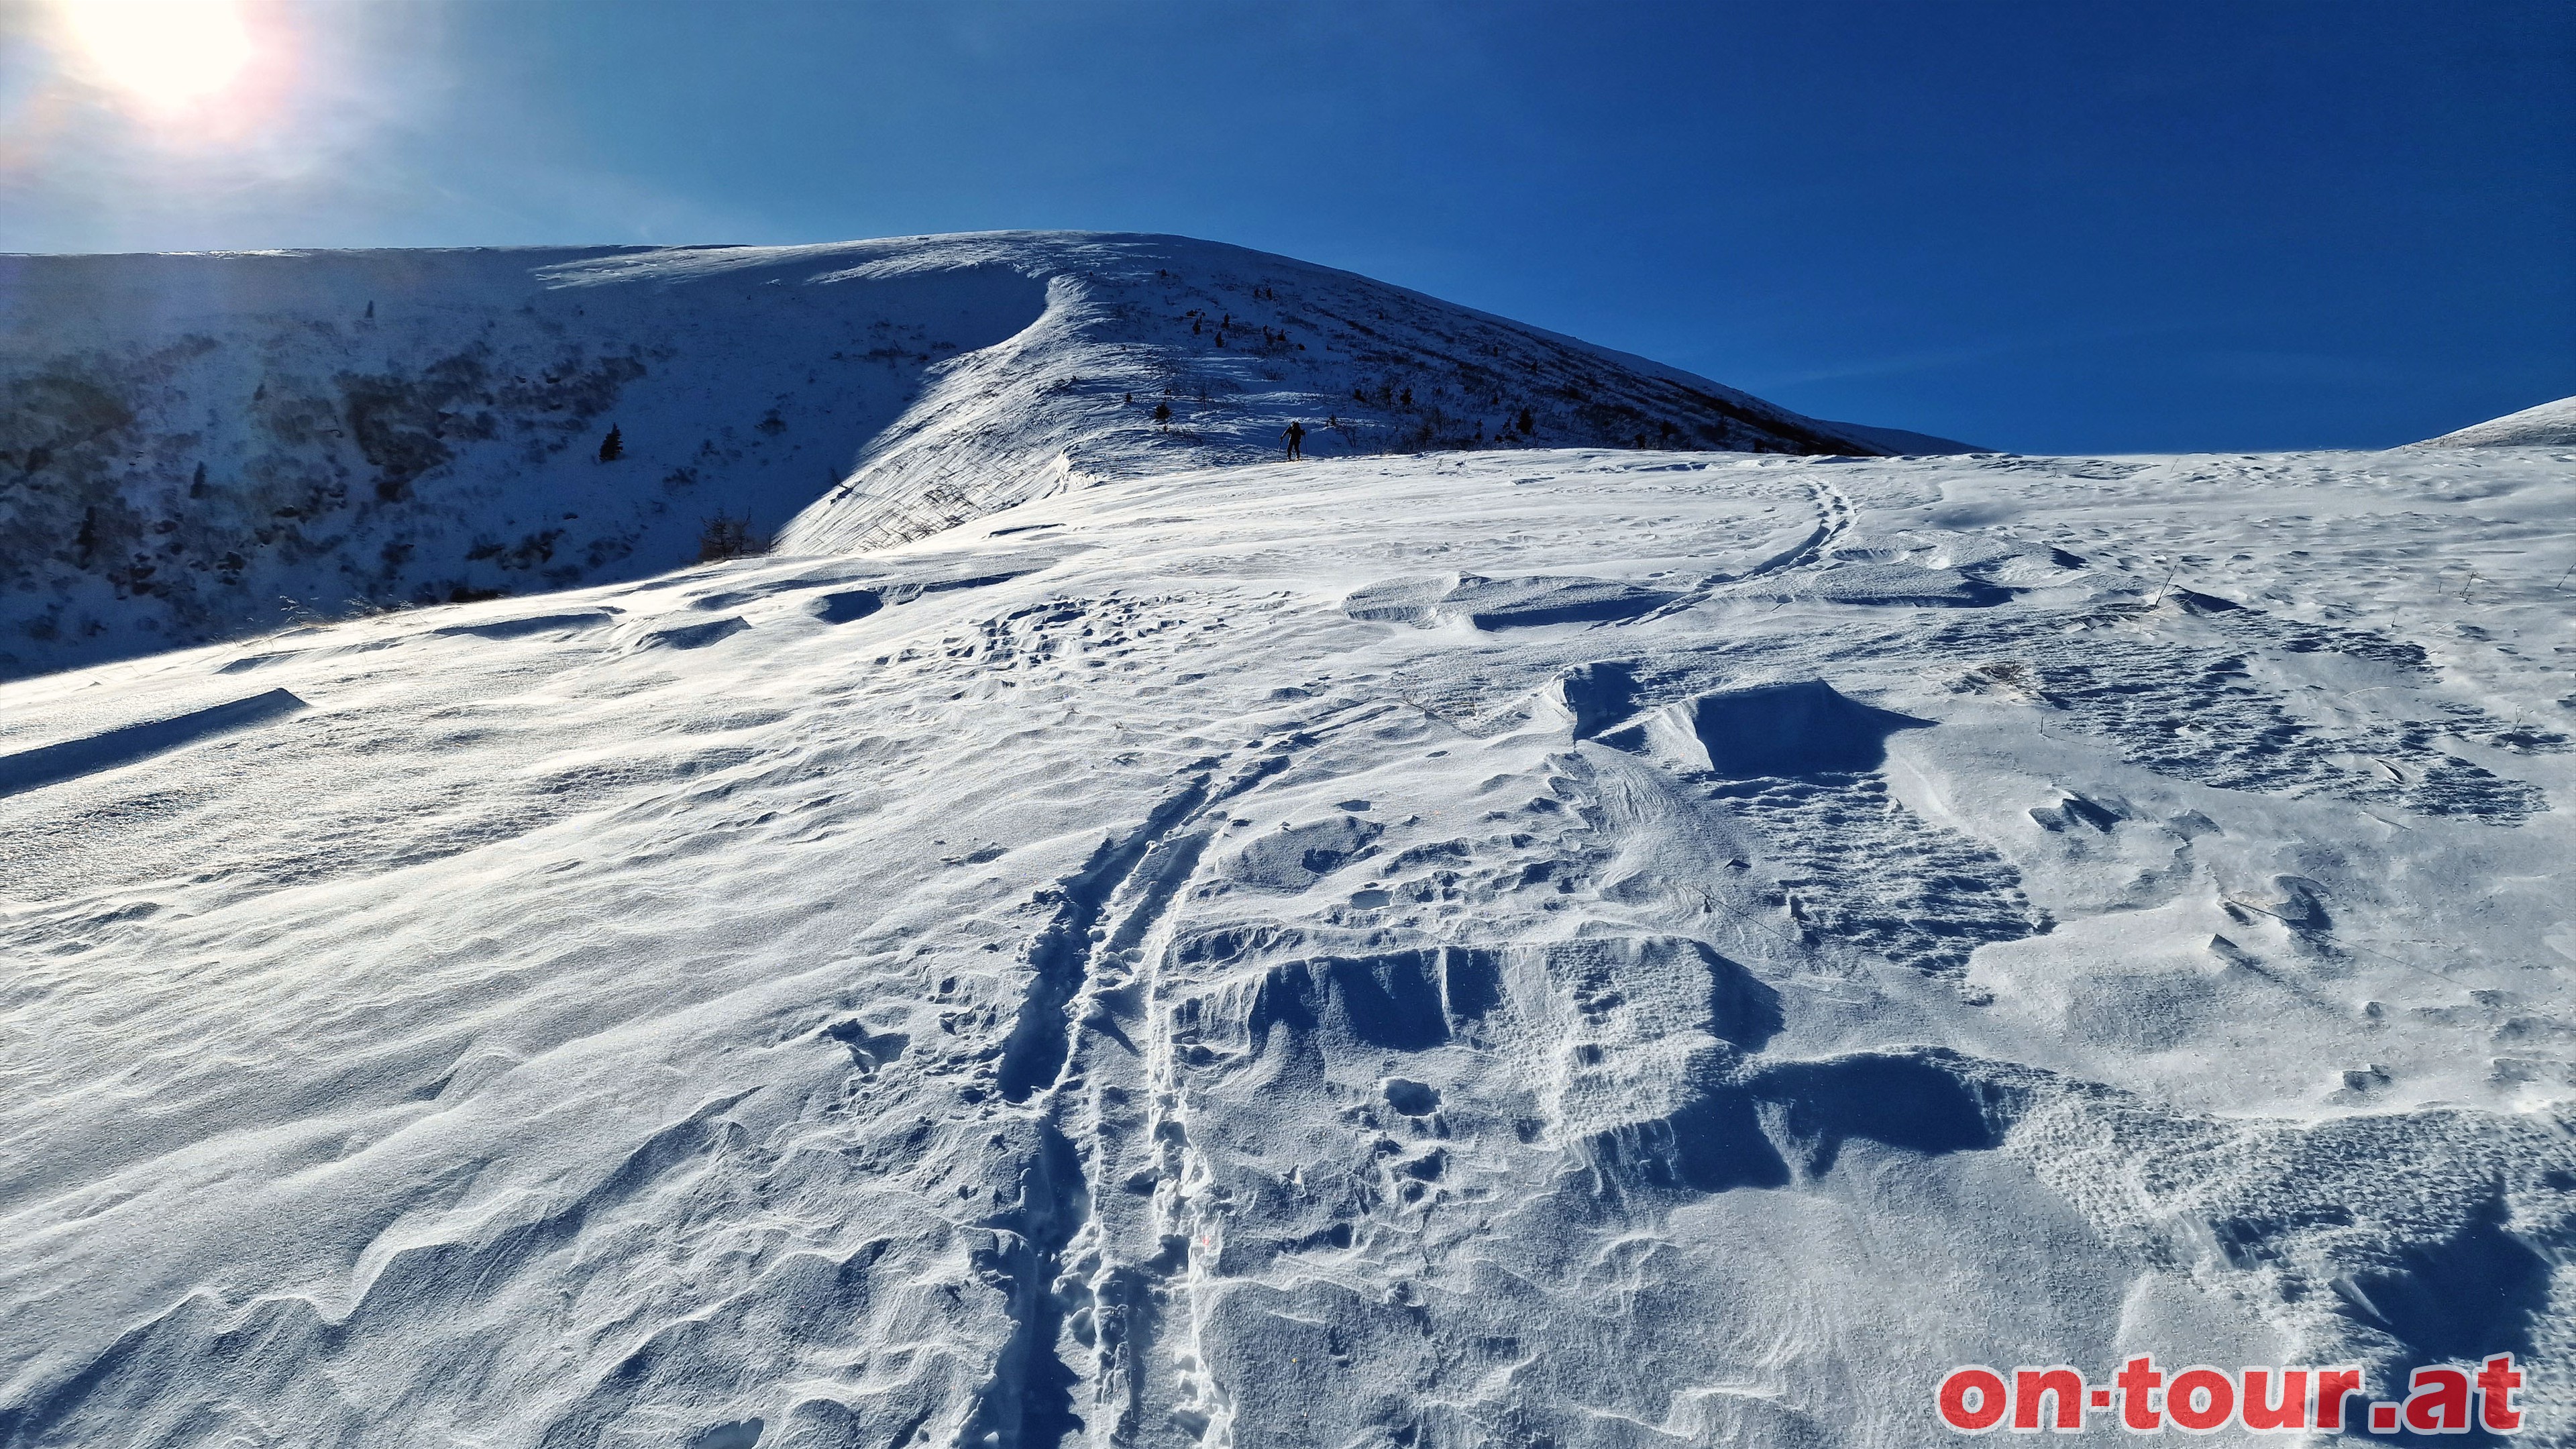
[612,447]
[729,538]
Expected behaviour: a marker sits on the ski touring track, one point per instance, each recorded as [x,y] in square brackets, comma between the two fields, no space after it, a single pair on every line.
[1833,523]
[1105,1246]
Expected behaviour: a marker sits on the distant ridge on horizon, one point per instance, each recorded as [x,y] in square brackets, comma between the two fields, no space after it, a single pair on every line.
[2551,424]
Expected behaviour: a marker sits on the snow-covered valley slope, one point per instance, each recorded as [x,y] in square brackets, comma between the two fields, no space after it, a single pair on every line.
[191,444]
[1563,947]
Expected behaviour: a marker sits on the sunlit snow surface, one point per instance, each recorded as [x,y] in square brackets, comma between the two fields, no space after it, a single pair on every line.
[1570,947]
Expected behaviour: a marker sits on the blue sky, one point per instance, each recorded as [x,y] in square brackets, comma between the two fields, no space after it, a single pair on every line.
[2050,227]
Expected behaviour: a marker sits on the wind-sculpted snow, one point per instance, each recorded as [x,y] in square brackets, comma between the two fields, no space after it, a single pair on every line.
[106,750]
[1511,947]
[188,443]
[1502,603]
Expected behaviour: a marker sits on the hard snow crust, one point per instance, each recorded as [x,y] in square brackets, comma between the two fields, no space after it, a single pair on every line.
[1512,946]
[1582,947]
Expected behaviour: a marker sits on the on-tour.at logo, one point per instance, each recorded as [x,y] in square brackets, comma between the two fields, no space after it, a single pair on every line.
[2440,1399]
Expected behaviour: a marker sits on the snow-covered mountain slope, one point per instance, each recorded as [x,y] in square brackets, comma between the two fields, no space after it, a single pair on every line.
[2552,424]
[1551,947]
[1899,442]
[190,443]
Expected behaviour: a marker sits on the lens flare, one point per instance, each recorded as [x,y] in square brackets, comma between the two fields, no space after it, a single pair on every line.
[163,55]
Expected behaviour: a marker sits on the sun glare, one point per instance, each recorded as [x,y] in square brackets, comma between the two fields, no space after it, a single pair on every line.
[165,55]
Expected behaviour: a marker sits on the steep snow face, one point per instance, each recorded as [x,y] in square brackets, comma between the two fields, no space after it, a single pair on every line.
[2552,424]
[1573,947]
[191,444]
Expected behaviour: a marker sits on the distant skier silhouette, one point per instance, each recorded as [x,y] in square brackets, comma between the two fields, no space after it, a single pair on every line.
[1296,436]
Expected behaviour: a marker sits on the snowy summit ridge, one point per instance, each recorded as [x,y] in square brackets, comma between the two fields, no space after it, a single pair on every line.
[187,440]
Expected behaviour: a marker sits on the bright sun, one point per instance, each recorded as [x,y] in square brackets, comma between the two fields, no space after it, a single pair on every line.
[164,54]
